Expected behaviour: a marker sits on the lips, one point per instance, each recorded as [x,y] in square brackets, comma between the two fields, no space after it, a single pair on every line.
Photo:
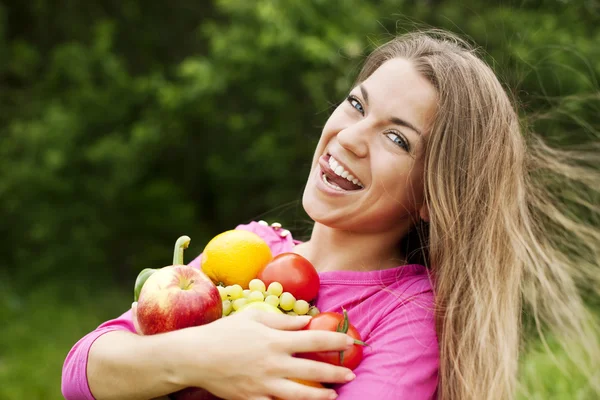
[332,179]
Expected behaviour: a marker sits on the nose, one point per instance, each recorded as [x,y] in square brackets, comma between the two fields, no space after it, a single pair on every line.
[354,138]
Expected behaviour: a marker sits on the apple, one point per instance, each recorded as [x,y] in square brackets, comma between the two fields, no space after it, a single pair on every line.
[177,297]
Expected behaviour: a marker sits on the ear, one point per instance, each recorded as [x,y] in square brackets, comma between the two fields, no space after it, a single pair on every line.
[424,212]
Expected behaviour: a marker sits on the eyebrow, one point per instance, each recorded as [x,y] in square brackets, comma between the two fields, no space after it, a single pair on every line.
[393,120]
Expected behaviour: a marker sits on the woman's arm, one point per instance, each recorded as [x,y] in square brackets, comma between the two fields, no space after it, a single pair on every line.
[74,382]
[248,355]
[114,362]
[124,365]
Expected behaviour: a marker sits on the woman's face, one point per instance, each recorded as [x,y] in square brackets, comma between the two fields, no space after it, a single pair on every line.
[376,138]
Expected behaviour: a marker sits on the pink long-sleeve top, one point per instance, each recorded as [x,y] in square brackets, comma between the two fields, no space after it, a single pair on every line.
[392,309]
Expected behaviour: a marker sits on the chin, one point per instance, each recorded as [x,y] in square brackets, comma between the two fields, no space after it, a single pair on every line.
[311,205]
[323,213]
[315,208]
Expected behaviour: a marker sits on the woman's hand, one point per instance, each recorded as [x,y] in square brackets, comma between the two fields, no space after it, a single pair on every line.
[248,356]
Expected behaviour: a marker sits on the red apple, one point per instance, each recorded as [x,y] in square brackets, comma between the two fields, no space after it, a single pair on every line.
[177,297]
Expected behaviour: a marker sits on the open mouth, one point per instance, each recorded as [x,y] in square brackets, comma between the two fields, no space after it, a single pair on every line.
[337,177]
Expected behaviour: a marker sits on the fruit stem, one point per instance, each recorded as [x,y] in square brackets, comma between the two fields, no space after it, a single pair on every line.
[180,245]
[187,285]
[343,328]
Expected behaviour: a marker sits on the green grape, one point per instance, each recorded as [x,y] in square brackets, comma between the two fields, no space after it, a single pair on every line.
[292,313]
[227,307]
[257,285]
[255,296]
[287,301]
[275,288]
[246,293]
[301,307]
[222,292]
[312,311]
[237,304]
[272,300]
[234,292]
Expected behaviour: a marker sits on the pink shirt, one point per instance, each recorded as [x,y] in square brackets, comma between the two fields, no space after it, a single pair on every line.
[392,309]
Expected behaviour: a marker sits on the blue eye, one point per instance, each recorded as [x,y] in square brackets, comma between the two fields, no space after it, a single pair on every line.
[398,140]
[356,104]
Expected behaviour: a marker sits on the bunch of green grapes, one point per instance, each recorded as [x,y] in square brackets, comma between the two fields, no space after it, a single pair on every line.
[234,297]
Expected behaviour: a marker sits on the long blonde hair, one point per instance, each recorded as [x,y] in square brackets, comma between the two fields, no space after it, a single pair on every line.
[500,241]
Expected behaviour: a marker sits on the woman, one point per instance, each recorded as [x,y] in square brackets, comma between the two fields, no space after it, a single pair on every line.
[423,164]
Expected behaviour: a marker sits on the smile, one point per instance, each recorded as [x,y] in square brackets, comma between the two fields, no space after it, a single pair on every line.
[339,170]
[337,177]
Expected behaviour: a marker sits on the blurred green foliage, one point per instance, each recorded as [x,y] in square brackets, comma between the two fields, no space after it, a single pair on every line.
[124,124]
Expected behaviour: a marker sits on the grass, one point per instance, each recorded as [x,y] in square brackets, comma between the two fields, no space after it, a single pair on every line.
[44,323]
[552,376]
[41,327]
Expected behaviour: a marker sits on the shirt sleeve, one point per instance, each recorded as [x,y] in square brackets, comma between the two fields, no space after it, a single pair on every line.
[74,383]
[402,359]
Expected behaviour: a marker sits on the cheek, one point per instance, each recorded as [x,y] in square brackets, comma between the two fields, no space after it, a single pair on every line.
[416,184]
[404,184]
[336,122]
[327,134]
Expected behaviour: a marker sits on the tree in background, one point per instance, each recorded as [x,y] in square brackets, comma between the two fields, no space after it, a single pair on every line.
[125,124]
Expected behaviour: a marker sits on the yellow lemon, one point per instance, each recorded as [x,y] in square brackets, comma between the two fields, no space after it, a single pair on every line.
[259,305]
[235,257]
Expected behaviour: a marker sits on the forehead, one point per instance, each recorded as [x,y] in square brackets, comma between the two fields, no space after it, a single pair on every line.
[396,89]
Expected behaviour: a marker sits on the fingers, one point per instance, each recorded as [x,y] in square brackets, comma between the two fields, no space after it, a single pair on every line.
[279,321]
[309,341]
[316,371]
[290,390]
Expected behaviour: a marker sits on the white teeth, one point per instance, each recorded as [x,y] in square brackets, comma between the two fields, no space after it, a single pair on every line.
[340,171]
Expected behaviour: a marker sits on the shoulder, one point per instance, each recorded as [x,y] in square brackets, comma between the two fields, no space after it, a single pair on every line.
[407,323]
[415,287]
[411,308]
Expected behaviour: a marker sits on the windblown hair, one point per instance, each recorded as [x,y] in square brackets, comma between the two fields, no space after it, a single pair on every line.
[501,240]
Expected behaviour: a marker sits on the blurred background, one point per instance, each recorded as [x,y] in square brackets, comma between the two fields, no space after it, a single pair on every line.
[125,124]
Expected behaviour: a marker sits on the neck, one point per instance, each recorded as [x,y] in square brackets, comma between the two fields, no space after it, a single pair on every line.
[331,249]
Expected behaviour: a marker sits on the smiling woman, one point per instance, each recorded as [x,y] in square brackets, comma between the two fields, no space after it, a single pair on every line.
[425,157]
[369,137]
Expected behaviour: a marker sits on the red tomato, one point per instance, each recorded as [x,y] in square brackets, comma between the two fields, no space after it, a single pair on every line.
[295,273]
[336,322]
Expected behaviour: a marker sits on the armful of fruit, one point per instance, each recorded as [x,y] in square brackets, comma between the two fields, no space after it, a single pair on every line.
[296,352]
